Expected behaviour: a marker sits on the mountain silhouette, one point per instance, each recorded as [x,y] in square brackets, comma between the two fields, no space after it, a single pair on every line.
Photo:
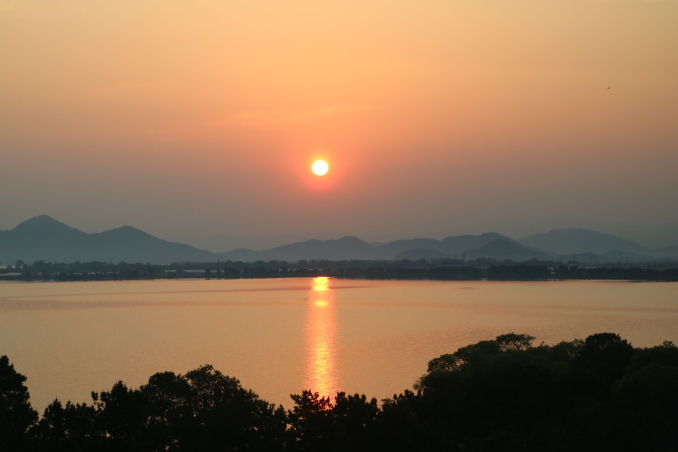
[460,243]
[345,248]
[502,249]
[391,249]
[348,248]
[421,253]
[44,238]
[578,241]
[47,226]
[450,246]
[130,244]
[669,251]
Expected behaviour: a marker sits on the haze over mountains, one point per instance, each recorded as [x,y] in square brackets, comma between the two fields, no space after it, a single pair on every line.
[44,238]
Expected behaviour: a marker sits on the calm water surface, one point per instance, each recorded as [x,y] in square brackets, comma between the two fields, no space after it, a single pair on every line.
[280,336]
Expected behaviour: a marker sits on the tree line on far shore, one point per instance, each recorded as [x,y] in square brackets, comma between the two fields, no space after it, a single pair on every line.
[431,269]
[506,394]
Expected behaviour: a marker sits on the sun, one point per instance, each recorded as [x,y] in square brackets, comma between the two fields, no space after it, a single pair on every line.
[320,167]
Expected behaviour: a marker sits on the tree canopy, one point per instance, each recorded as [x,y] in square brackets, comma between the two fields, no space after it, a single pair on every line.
[596,394]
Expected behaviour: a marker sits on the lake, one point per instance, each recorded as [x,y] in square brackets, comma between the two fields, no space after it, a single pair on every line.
[280,336]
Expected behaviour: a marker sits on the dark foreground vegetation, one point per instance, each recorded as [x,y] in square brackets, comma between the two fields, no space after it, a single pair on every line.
[431,269]
[597,394]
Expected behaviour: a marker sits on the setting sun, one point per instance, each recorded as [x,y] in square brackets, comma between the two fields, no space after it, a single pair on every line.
[320,167]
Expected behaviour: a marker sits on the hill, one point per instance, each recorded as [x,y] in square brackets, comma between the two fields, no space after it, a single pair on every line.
[577,241]
[503,249]
[44,238]
[345,248]
[352,248]
[422,253]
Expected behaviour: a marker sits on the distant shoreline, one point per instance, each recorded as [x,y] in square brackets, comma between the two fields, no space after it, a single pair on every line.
[374,270]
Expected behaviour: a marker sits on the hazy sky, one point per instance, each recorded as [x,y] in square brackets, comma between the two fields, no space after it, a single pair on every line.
[437,117]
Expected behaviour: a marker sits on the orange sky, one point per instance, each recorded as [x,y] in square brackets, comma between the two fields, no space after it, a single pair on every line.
[438,117]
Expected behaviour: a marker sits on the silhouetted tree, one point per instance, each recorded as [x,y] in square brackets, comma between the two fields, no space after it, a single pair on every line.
[606,355]
[513,341]
[226,416]
[16,413]
[68,428]
[348,424]
[311,422]
[167,396]
[122,415]
[202,410]
[645,400]
[597,394]
[355,417]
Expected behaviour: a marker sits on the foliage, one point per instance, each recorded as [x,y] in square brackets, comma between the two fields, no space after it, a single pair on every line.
[317,424]
[16,413]
[596,394]
[202,410]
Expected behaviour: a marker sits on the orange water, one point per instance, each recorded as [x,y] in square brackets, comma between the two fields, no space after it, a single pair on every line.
[280,336]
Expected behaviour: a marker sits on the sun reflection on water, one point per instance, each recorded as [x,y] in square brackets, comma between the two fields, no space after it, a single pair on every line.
[321,367]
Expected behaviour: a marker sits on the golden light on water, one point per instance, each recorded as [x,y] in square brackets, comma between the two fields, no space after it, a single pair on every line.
[321,328]
[321,284]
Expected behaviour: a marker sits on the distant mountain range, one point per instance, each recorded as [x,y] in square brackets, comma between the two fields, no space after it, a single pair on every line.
[575,240]
[44,238]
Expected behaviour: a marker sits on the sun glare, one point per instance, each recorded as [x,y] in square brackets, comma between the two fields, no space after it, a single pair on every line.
[320,167]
